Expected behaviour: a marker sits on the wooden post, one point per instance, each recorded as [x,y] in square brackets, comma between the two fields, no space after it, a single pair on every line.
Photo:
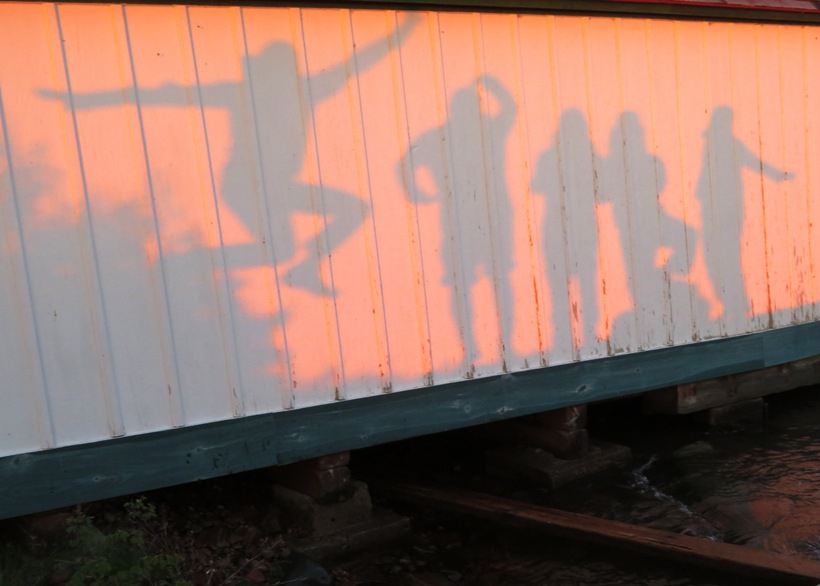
[326,479]
[717,392]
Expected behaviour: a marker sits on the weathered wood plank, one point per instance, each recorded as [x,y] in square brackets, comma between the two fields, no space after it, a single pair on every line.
[698,396]
[723,557]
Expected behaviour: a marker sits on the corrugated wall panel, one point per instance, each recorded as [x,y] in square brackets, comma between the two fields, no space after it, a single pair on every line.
[270,37]
[225,95]
[577,200]
[793,117]
[211,212]
[499,108]
[678,244]
[528,340]
[395,218]
[25,421]
[469,227]
[811,110]
[425,164]
[188,222]
[691,109]
[60,255]
[109,138]
[539,174]
[333,72]
[646,178]
[746,83]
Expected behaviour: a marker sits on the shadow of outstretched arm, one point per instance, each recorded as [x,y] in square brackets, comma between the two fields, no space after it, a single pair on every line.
[327,83]
[754,162]
[169,94]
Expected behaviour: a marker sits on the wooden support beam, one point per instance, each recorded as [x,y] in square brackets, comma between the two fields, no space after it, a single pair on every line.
[716,392]
[727,558]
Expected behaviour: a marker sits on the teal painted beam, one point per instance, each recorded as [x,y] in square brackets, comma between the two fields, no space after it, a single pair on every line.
[54,478]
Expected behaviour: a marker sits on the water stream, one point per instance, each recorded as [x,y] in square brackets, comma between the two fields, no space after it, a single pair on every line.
[752,484]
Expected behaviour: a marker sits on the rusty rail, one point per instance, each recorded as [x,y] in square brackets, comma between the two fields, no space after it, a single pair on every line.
[726,558]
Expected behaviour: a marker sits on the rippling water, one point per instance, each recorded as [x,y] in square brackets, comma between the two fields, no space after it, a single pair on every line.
[757,485]
[762,488]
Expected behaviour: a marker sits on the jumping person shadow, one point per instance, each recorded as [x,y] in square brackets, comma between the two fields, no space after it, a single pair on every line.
[278,106]
[475,236]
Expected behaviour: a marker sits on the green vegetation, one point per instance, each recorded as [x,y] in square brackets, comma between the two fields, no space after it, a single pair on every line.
[127,553]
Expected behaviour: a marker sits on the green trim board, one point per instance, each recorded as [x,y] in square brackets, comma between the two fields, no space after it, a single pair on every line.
[49,479]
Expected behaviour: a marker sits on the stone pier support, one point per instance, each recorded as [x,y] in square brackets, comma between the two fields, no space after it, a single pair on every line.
[550,448]
[330,512]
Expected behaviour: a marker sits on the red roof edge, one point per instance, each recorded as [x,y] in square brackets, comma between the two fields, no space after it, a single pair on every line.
[772,5]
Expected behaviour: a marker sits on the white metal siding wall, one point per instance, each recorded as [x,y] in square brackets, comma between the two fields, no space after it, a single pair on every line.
[214,212]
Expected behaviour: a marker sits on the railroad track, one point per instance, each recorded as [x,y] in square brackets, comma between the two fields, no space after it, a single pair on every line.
[728,559]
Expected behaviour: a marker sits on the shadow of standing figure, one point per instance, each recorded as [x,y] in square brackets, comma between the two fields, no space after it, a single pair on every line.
[565,176]
[722,203]
[655,240]
[473,240]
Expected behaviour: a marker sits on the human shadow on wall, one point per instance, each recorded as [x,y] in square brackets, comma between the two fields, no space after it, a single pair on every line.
[269,270]
[565,176]
[473,241]
[657,242]
[576,179]
[281,103]
[721,196]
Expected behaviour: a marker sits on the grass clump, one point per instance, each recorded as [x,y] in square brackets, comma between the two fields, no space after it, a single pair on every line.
[123,554]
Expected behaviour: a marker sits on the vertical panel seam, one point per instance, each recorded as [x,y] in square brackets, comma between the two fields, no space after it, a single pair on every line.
[409,184]
[175,394]
[691,254]
[767,256]
[112,403]
[560,160]
[668,318]
[340,379]
[377,296]
[288,402]
[45,421]
[458,285]
[535,236]
[236,399]
[601,265]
